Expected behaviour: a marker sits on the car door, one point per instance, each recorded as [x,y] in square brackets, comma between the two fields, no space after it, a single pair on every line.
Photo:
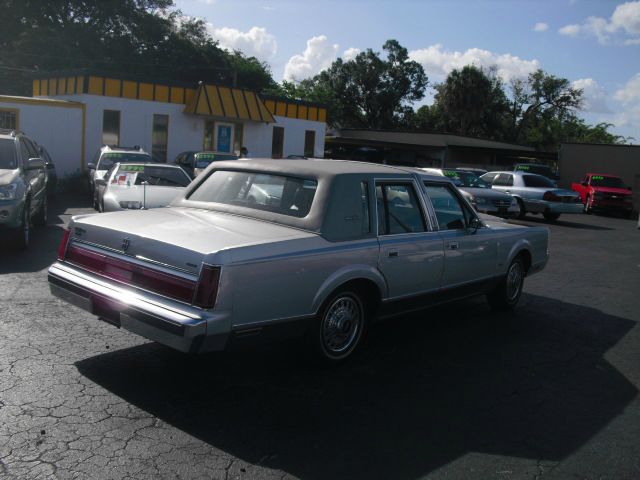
[470,255]
[411,256]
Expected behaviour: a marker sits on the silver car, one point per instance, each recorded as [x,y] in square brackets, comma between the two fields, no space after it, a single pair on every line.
[341,244]
[139,185]
[535,194]
[479,193]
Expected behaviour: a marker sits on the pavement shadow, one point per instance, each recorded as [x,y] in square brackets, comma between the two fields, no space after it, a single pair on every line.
[44,241]
[425,390]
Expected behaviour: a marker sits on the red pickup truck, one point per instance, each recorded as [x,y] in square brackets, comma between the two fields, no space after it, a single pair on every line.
[604,192]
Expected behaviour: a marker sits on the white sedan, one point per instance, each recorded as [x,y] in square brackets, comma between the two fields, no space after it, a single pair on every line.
[140,186]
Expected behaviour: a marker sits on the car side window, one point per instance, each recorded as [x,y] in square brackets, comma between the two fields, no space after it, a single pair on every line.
[449,211]
[504,180]
[398,209]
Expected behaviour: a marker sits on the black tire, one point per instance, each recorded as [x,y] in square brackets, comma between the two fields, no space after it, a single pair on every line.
[337,331]
[551,217]
[506,294]
[523,211]
[41,217]
[587,209]
[22,235]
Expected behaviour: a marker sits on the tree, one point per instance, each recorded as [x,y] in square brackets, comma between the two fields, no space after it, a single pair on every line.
[472,102]
[368,91]
[144,38]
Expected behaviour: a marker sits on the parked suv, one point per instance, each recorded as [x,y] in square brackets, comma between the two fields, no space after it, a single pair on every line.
[23,193]
[105,158]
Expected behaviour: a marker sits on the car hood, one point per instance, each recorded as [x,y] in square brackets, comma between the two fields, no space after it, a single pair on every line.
[8,176]
[618,191]
[177,236]
[485,193]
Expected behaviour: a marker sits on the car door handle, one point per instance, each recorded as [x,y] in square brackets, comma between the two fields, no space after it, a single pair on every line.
[392,253]
[507,191]
[452,245]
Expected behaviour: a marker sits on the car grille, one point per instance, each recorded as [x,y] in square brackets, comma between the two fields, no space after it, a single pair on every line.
[502,203]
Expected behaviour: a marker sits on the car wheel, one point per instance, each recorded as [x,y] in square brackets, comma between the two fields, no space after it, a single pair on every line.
[23,233]
[587,208]
[41,217]
[522,211]
[506,294]
[551,217]
[339,327]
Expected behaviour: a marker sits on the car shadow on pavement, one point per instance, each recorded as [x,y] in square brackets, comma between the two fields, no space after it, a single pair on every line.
[529,220]
[44,241]
[426,390]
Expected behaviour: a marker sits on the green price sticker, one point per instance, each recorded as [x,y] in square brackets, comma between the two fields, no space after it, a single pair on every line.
[523,167]
[449,173]
[597,177]
[131,168]
[206,156]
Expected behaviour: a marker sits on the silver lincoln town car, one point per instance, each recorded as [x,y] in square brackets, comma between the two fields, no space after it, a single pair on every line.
[315,249]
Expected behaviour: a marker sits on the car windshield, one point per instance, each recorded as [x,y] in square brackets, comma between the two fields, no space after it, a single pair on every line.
[108,159]
[537,181]
[152,174]
[602,181]
[7,154]
[204,159]
[274,193]
[537,169]
[465,179]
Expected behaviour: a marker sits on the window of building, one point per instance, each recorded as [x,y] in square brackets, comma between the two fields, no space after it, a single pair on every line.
[277,143]
[111,127]
[309,143]
[160,137]
[222,137]
[9,119]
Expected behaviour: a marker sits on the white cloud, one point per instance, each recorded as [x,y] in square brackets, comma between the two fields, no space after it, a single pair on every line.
[570,30]
[594,97]
[625,20]
[541,27]
[350,53]
[438,62]
[630,93]
[257,42]
[318,55]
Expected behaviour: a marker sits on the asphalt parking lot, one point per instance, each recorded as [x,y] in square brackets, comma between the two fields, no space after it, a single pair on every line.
[454,392]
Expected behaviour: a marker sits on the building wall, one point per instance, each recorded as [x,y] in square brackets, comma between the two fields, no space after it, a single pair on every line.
[620,160]
[56,127]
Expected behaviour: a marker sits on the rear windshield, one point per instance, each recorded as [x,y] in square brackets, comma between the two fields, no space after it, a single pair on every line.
[465,179]
[203,159]
[108,159]
[291,196]
[153,175]
[602,181]
[537,181]
[537,169]
[8,154]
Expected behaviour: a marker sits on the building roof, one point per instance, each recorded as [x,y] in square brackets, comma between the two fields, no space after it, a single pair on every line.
[228,103]
[441,140]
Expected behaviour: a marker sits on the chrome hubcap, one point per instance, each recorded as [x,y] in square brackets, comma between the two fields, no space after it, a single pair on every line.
[341,325]
[514,280]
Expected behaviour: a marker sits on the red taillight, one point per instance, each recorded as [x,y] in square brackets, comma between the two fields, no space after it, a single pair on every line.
[132,274]
[63,246]
[551,197]
[207,289]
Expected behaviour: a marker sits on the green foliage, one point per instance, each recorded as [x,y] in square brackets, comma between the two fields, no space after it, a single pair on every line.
[368,91]
[143,38]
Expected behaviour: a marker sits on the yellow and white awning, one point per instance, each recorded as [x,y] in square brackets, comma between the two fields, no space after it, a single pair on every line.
[228,103]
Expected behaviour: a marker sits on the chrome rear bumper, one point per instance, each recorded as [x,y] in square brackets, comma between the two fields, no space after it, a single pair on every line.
[154,317]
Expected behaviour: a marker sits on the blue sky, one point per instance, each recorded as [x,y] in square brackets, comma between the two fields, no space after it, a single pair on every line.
[595,44]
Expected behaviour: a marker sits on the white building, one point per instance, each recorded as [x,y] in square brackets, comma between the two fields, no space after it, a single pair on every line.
[73,115]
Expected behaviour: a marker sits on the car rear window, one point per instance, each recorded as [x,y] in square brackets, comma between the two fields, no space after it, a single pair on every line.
[537,169]
[108,159]
[537,181]
[203,159]
[290,196]
[153,175]
[602,181]
[8,154]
